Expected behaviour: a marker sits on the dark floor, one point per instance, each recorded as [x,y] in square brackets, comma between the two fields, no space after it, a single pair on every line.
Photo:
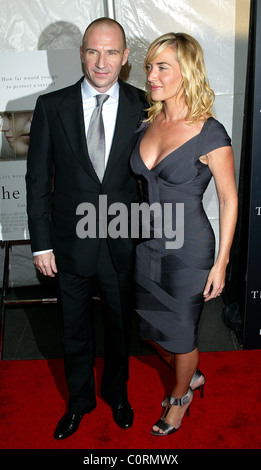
[32,331]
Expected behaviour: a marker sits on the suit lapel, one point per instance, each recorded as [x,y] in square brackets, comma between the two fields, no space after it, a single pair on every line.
[129,112]
[70,112]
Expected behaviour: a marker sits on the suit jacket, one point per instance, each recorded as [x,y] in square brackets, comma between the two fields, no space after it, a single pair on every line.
[60,176]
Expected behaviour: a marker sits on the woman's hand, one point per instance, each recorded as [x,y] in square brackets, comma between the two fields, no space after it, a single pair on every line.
[215,283]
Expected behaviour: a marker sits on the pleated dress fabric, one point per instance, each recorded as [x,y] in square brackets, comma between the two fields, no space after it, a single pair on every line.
[169,282]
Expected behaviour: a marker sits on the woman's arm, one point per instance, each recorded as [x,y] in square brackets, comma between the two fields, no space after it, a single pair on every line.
[221,165]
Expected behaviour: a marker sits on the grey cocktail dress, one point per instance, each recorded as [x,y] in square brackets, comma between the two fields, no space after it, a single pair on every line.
[170,281]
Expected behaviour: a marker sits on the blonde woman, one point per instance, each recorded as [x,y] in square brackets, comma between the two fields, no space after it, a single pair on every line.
[181,146]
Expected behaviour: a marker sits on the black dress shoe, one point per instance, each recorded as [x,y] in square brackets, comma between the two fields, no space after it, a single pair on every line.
[67,426]
[123,415]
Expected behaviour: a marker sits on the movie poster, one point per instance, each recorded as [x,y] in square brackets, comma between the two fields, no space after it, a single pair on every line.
[23,77]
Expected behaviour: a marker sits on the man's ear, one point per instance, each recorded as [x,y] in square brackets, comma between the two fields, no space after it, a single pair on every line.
[125,56]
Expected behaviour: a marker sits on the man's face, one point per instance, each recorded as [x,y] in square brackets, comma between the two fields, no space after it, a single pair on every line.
[103,54]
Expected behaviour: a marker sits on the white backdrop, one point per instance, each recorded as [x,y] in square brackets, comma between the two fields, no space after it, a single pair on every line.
[221,27]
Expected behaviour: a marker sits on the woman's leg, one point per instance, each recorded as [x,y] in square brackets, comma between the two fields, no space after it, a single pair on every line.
[167,356]
[198,379]
[184,366]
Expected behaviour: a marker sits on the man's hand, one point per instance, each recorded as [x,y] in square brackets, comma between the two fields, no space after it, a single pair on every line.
[45,263]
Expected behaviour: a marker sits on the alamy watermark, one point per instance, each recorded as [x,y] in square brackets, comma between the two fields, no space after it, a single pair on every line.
[117,220]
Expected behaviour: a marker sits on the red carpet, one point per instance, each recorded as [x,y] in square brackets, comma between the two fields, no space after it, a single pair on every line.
[33,395]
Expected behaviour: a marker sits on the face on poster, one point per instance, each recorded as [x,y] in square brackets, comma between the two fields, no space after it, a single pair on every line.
[15,134]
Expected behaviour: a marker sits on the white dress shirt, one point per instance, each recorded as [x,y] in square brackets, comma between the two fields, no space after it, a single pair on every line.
[109,113]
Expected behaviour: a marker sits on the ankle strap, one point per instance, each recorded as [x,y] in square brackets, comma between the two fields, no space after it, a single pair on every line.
[181,401]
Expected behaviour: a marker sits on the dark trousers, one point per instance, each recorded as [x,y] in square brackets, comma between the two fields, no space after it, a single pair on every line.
[116,294]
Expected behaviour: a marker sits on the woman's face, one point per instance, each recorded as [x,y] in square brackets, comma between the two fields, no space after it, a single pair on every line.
[164,76]
[16,127]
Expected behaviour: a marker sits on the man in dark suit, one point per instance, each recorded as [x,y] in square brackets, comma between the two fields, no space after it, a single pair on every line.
[60,178]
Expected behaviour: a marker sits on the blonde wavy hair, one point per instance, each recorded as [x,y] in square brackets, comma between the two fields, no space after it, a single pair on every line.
[198,95]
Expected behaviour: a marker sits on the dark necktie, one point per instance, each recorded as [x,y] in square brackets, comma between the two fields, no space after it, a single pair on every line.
[96,137]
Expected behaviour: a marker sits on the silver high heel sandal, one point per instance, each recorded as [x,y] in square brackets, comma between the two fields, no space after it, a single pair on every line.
[172,401]
[196,376]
